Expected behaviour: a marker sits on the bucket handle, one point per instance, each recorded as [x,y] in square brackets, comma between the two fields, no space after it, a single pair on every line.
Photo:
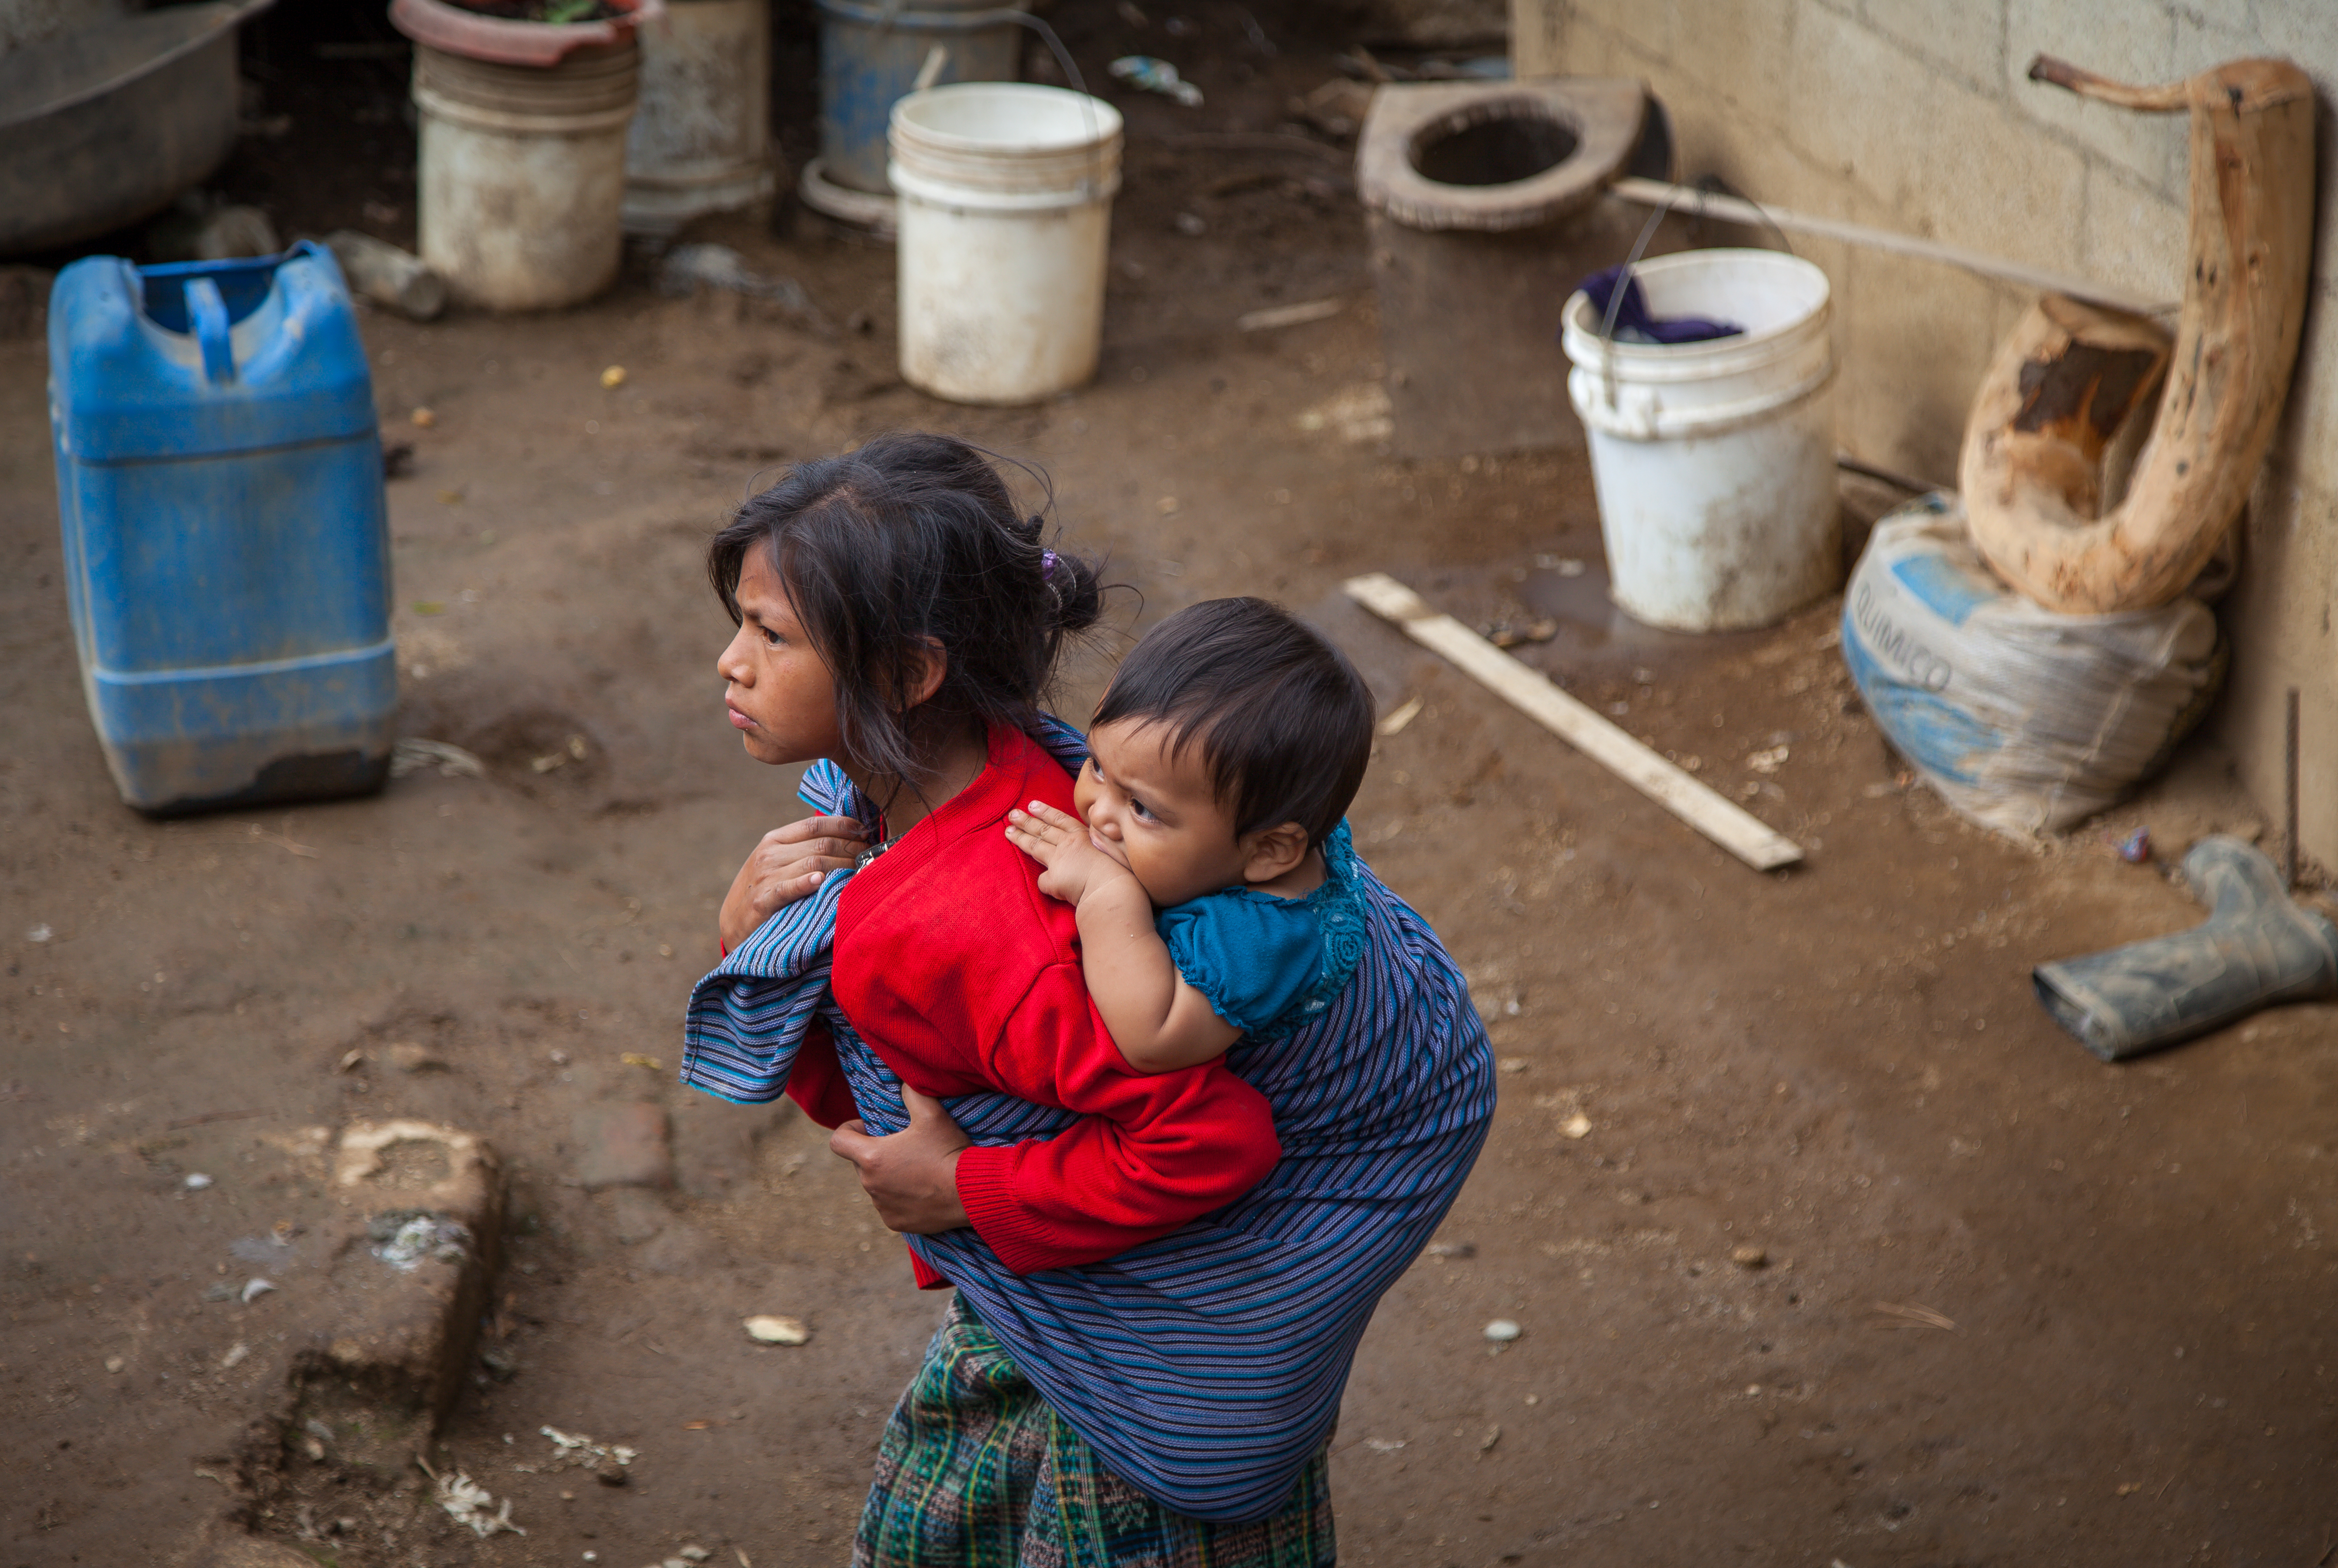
[935,58]
[1648,232]
[889,15]
[207,315]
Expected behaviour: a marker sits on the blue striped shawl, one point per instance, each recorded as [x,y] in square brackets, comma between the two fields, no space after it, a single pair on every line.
[1205,1367]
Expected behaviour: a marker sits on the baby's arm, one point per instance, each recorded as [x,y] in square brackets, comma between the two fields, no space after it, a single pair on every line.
[1158,1021]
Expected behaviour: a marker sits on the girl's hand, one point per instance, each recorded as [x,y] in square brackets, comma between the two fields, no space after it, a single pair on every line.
[789,863]
[1060,842]
[912,1175]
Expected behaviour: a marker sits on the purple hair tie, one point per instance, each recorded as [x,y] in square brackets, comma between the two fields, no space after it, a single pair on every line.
[1046,563]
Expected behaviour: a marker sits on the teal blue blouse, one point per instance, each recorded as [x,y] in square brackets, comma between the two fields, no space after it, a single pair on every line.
[1267,963]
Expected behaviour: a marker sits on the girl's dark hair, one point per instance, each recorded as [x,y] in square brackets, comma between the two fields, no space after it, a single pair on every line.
[1283,720]
[913,537]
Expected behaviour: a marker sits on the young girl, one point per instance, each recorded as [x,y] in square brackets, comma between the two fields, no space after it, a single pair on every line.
[1149,1339]
[897,619]
[1219,767]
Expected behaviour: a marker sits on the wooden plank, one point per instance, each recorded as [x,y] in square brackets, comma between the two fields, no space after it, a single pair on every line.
[1691,202]
[1739,832]
[1276,315]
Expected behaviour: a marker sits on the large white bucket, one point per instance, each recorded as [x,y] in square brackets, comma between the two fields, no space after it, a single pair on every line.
[1005,194]
[523,173]
[1715,461]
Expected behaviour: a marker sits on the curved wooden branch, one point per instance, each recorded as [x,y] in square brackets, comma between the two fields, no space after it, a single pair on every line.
[2032,489]
[2167,100]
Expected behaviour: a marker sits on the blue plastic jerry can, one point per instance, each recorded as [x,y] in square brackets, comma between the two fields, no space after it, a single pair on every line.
[227,549]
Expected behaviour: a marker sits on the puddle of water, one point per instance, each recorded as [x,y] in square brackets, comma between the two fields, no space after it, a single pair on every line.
[1594,631]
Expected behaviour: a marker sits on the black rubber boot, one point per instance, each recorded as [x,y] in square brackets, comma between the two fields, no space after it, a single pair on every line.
[2256,948]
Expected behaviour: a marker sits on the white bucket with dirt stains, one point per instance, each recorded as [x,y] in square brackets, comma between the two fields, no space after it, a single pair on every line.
[1005,207]
[523,173]
[1715,461]
[701,136]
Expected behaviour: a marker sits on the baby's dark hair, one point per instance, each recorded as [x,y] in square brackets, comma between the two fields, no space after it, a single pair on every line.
[911,537]
[1283,720]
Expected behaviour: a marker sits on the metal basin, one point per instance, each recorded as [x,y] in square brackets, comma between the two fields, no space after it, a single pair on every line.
[104,126]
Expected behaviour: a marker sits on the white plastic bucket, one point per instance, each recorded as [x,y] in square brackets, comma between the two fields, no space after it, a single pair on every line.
[1715,461]
[701,137]
[1005,194]
[523,173]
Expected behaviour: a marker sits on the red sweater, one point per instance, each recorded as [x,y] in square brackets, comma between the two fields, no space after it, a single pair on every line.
[962,975]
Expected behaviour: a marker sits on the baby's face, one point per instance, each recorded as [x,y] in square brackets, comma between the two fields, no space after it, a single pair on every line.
[1156,814]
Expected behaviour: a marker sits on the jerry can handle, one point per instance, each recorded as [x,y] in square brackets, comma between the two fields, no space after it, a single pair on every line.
[207,314]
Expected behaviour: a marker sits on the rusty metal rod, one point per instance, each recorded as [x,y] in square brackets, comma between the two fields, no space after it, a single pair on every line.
[1692,202]
[2289,828]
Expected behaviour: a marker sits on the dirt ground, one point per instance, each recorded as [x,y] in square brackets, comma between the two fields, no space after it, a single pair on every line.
[2017,1306]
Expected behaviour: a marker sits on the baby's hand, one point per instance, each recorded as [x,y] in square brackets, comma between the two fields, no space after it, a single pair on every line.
[1059,841]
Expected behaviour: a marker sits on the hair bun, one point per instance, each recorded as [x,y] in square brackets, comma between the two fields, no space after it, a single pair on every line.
[1075,591]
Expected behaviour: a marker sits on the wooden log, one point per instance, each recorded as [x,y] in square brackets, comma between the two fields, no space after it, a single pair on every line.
[2031,485]
[387,275]
[2082,372]
[1741,833]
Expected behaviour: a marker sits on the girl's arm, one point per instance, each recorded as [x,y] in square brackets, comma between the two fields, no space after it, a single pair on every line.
[1158,1021]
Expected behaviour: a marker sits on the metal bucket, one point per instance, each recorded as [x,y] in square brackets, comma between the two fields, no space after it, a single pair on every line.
[869,57]
[103,123]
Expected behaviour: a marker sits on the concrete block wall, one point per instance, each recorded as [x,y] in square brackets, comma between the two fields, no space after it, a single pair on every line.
[1918,115]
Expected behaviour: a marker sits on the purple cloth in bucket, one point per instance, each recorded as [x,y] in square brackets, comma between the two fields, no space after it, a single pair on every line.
[1633,322]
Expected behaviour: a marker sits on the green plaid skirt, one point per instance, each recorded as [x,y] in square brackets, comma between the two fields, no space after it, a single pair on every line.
[975,1471]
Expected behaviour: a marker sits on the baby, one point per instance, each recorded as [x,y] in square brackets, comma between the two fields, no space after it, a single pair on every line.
[1213,876]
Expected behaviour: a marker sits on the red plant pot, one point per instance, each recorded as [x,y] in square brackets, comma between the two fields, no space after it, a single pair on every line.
[456,31]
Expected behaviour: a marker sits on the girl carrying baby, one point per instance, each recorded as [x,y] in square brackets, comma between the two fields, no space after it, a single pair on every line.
[1154,1313]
